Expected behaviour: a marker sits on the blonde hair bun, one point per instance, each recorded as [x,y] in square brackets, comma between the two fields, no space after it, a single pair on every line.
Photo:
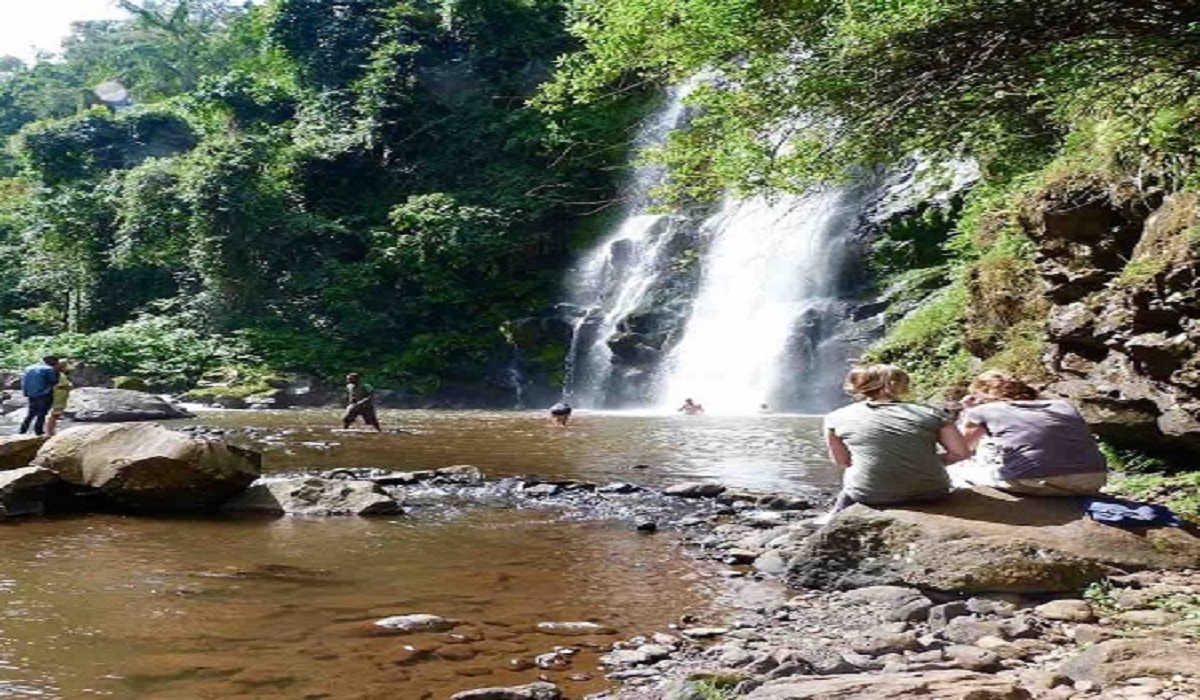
[879,382]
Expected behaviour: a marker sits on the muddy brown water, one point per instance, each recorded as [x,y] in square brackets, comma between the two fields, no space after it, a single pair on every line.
[137,607]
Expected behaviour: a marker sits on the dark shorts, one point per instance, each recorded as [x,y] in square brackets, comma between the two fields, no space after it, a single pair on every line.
[366,412]
[564,411]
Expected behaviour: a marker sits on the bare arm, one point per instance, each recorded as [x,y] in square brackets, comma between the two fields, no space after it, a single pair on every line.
[973,433]
[954,443]
[838,452]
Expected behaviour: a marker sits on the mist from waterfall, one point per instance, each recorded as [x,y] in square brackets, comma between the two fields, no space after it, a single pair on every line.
[764,325]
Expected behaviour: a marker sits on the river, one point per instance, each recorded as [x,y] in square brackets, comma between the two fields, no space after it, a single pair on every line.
[224,607]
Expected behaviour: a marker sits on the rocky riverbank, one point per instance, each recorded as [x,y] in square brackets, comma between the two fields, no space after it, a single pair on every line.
[984,595]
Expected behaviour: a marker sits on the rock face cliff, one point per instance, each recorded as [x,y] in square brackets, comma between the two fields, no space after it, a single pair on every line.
[1121,269]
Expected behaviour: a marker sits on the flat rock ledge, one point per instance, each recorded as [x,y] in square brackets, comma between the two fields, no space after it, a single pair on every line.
[980,541]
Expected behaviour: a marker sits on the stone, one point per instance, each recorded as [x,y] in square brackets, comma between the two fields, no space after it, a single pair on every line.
[771,562]
[927,685]
[897,604]
[1066,610]
[17,451]
[884,643]
[972,658]
[534,691]
[23,491]
[704,632]
[144,466]
[541,490]
[968,630]
[941,615]
[416,622]
[98,405]
[573,629]
[461,474]
[979,541]
[315,497]
[619,487]
[1148,618]
[1120,659]
[624,657]
[694,489]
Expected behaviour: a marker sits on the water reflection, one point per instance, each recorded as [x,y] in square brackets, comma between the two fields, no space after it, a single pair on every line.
[281,608]
[772,452]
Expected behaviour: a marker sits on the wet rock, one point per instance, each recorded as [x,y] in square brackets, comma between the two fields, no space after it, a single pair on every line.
[541,490]
[416,622]
[533,691]
[929,685]
[24,491]
[314,497]
[736,557]
[646,526]
[619,487]
[17,451]
[781,502]
[694,490]
[624,657]
[97,405]
[1121,659]
[572,629]
[145,466]
[1066,610]
[704,632]
[461,474]
[980,541]
[552,660]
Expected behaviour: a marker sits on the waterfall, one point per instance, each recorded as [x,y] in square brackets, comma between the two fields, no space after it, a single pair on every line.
[746,306]
[613,280]
[764,325]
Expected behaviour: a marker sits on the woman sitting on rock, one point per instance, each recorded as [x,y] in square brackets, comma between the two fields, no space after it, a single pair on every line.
[1025,444]
[889,447]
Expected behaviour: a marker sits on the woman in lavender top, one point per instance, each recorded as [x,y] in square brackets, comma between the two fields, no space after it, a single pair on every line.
[1025,444]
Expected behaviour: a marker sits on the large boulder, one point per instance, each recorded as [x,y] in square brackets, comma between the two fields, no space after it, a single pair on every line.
[312,496]
[929,685]
[18,451]
[145,466]
[97,405]
[24,491]
[1121,659]
[981,541]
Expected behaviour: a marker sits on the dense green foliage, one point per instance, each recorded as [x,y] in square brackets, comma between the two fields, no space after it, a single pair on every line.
[335,183]
[1032,91]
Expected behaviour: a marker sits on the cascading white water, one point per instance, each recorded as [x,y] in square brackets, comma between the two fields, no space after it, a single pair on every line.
[760,321]
[614,278]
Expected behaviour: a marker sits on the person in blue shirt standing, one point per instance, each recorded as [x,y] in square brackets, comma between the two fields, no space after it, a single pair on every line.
[38,385]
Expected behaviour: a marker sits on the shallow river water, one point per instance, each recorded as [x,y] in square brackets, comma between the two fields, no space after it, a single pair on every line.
[140,607]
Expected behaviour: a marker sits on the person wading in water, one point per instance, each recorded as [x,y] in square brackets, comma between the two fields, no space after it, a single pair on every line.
[360,402]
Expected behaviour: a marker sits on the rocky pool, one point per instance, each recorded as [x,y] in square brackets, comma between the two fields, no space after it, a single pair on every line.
[224,607]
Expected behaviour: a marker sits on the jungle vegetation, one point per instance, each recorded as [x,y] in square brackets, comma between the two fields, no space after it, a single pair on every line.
[308,183]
